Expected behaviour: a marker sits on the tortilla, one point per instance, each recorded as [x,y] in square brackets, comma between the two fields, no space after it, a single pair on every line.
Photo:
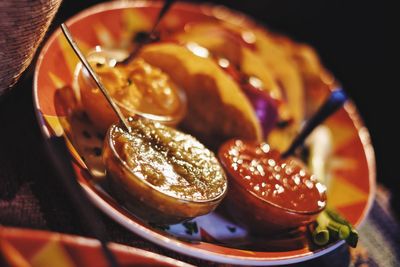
[217,108]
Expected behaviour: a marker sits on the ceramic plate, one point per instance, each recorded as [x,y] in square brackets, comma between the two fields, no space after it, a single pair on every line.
[212,237]
[82,251]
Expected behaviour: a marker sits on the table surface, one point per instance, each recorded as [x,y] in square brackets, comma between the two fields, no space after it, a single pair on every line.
[30,196]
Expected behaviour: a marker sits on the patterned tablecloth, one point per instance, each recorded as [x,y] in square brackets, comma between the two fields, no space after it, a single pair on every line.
[30,196]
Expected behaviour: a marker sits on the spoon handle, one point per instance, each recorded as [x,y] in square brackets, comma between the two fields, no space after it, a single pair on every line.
[86,64]
[336,100]
[164,9]
[148,35]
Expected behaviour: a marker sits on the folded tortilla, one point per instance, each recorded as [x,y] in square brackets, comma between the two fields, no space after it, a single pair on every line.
[217,108]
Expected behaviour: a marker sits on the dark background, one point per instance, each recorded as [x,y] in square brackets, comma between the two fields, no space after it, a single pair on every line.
[354,40]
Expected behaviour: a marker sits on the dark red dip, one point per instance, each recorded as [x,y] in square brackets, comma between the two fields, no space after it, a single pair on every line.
[263,173]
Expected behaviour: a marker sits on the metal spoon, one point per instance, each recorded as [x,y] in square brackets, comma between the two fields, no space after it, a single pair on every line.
[146,37]
[57,148]
[336,100]
[85,63]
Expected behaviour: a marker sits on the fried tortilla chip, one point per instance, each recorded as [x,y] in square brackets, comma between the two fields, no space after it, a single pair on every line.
[263,55]
[224,43]
[317,80]
[285,72]
[217,107]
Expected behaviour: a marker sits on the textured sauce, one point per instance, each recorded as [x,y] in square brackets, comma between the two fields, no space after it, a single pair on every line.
[140,86]
[283,182]
[173,162]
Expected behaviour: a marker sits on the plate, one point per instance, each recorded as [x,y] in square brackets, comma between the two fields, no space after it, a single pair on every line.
[212,237]
[82,251]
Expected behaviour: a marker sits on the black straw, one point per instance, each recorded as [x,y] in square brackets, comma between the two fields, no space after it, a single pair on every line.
[336,100]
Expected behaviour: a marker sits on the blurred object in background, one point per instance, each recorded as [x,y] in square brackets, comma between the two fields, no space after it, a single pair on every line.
[23,24]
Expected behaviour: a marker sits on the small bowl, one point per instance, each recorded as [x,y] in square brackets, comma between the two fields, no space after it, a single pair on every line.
[146,200]
[96,105]
[258,214]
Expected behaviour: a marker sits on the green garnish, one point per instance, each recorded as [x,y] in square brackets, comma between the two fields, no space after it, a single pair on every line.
[231,228]
[97,151]
[160,227]
[352,239]
[320,236]
[332,227]
[191,227]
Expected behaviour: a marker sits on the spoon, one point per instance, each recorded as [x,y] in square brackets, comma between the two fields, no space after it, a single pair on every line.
[57,148]
[143,38]
[335,100]
[82,58]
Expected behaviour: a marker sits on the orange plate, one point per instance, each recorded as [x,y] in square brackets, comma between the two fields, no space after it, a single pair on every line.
[217,239]
[82,251]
